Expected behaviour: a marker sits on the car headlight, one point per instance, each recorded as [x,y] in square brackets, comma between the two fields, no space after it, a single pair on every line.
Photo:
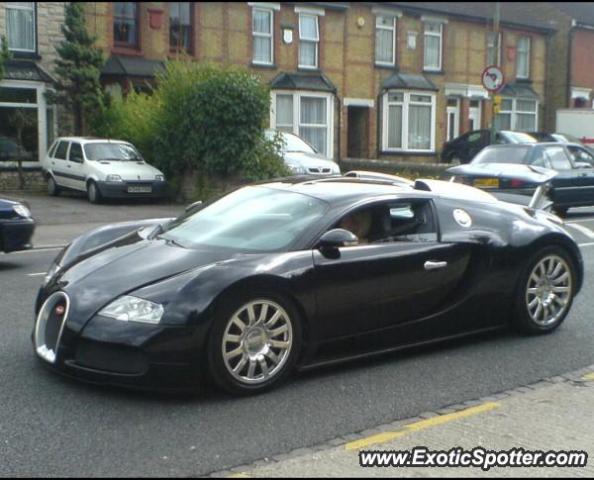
[160,178]
[133,309]
[296,168]
[22,211]
[113,178]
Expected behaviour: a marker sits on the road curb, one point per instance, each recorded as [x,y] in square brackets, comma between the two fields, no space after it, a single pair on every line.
[575,377]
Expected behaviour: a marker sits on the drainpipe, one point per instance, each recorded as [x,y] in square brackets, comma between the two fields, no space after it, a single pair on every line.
[569,64]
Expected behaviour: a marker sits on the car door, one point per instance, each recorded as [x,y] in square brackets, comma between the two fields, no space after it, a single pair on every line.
[567,186]
[583,177]
[75,167]
[57,164]
[401,278]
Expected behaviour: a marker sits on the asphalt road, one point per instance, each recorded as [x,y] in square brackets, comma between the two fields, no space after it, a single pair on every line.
[52,426]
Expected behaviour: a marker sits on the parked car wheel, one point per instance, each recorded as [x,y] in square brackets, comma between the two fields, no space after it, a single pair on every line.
[255,342]
[545,292]
[52,187]
[93,193]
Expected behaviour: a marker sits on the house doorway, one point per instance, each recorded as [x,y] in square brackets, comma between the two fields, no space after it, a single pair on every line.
[357,132]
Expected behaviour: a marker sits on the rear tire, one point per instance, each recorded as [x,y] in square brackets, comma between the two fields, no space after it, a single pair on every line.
[52,187]
[545,291]
[251,353]
[93,193]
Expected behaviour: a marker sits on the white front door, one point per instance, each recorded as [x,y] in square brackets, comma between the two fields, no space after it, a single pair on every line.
[474,114]
[453,116]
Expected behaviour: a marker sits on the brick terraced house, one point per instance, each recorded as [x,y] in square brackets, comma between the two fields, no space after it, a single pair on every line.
[369,80]
[28,124]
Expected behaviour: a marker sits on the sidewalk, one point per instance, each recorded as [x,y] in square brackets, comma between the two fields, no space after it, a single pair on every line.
[555,414]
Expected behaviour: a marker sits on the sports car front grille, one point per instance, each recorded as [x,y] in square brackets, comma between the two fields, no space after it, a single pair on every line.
[49,326]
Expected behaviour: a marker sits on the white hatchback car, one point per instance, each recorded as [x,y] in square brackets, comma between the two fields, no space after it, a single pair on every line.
[102,168]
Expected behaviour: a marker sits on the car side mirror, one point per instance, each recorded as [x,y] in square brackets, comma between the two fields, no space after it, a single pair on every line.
[193,206]
[336,238]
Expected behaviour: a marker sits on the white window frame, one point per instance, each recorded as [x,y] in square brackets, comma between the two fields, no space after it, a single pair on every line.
[433,34]
[514,111]
[405,115]
[12,6]
[297,95]
[455,111]
[315,40]
[40,106]
[498,37]
[393,30]
[270,35]
[527,53]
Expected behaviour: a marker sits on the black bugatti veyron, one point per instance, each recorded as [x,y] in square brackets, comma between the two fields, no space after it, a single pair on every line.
[298,273]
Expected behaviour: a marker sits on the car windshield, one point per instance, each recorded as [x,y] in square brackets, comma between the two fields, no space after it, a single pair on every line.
[292,143]
[252,219]
[121,152]
[516,154]
[519,137]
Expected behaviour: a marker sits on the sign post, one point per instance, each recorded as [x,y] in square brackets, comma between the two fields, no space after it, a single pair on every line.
[493,81]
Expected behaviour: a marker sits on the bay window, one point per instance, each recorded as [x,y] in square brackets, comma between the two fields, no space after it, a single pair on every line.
[306,114]
[262,34]
[309,38]
[20,26]
[432,45]
[517,114]
[523,58]
[385,40]
[408,121]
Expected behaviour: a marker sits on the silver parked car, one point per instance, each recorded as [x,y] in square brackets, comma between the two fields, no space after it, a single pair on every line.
[301,157]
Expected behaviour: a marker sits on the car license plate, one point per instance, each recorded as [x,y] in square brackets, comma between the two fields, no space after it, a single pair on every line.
[140,189]
[486,182]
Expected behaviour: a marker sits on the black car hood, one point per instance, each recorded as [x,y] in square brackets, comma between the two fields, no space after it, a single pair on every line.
[95,281]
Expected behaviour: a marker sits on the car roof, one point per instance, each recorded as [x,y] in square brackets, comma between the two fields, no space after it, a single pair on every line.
[90,140]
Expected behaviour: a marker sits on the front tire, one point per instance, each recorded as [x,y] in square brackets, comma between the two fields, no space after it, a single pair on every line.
[255,342]
[93,193]
[52,187]
[545,292]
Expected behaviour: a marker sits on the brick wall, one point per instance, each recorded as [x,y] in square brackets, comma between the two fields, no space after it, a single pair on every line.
[347,48]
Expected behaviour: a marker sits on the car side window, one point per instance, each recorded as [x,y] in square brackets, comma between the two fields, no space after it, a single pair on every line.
[52,149]
[395,221]
[581,155]
[539,159]
[474,137]
[76,154]
[61,150]
[558,158]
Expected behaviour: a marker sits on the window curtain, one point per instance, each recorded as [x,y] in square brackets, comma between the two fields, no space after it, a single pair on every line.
[384,44]
[308,35]
[20,25]
[523,57]
[395,126]
[262,44]
[313,124]
[503,121]
[284,113]
[432,51]
[419,127]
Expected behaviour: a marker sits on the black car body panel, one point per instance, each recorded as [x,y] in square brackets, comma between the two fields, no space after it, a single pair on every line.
[16,230]
[368,299]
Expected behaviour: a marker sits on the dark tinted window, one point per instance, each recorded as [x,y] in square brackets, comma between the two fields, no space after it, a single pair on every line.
[503,155]
[61,150]
[76,154]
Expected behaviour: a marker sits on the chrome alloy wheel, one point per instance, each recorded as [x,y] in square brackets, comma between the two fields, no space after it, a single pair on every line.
[257,341]
[549,290]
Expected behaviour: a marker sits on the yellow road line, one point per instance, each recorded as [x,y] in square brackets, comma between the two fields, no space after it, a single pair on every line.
[423,424]
[589,377]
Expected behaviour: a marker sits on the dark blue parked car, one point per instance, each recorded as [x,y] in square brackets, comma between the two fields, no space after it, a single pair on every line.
[16,226]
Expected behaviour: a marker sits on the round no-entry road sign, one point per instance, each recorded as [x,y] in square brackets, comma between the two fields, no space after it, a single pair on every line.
[492,78]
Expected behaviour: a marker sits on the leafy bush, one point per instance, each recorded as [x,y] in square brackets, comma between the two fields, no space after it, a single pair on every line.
[201,121]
